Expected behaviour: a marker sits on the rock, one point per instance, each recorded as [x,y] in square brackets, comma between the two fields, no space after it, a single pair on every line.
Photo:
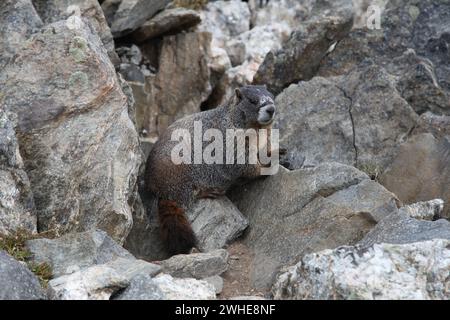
[216,282]
[17,211]
[17,282]
[184,289]
[141,287]
[425,210]
[306,210]
[131,14]
[288,12]
[247,298]
[164,287]
[167,21]
[216,222]
[110,8]
[225,19]
[72,10]
[197,265]
[76,251]
[420,170]
[382,272]
[186,55]
[409,29]
[400,228]
[308,45]
[358,119]
[19,20]
[437,125]
[94,283]
[60,84]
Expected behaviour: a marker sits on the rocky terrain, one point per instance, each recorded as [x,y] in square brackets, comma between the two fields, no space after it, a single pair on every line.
[360,209]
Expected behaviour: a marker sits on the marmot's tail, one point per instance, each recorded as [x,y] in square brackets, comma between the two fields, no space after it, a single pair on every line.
[176,231]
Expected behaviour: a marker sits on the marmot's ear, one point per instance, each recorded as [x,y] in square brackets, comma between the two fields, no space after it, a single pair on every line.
[238,94]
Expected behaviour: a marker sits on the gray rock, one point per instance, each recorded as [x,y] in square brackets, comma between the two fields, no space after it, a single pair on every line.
[76,251]
[19,20]
[405,25]
[216,282]
[17,282]
[300,58]
[17,211]
[109,8]
[167,21]
[186,55]
[55,10]
[425,210]
[400,228]
[141,287]
[225,19]
[383,272]
[216,222]
[62,83]
[437,125]
[131,14]
[94,283]
[420,170]
[164,287]
[306,210]
[357,119]
[196,265]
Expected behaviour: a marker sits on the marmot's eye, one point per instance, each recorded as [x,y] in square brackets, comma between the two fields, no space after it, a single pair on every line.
[253,100]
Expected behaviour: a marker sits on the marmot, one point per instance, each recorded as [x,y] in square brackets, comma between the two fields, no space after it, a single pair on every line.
[178,185]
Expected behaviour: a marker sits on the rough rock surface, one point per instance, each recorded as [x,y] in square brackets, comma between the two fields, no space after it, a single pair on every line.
[17,282]
[357,119]
[183,54]
[216,222]
[308,45]
[76,251]
[79,181]
[384,271]
[413,40]
[420,170]
[297,208]
[163,287]
[425,210]
[168,21]
[17,212]
[196,265]
[71,10]
[131,14]
[18,19]
[94,283]
[400,228]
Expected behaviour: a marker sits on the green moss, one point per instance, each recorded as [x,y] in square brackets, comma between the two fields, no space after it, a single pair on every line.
[14,245]
[78,49]
[190,4]
[78,81]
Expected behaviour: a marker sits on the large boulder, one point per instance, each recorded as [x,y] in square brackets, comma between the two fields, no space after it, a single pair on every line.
[79,146]
[75,251]
[420,170]
[307,210]
[299,59]
[70,10]
[167,21]
[17,211]
[18,19]
[17,282]
[170,98]
[382,272]
[357,119]
[131,14]
[411,29]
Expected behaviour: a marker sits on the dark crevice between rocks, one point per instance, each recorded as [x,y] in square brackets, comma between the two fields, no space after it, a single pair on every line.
[350,107]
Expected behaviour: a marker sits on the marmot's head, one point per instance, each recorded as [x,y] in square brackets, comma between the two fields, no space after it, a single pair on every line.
[256,104]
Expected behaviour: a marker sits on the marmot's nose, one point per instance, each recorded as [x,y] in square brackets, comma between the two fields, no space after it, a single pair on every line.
[270,110]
